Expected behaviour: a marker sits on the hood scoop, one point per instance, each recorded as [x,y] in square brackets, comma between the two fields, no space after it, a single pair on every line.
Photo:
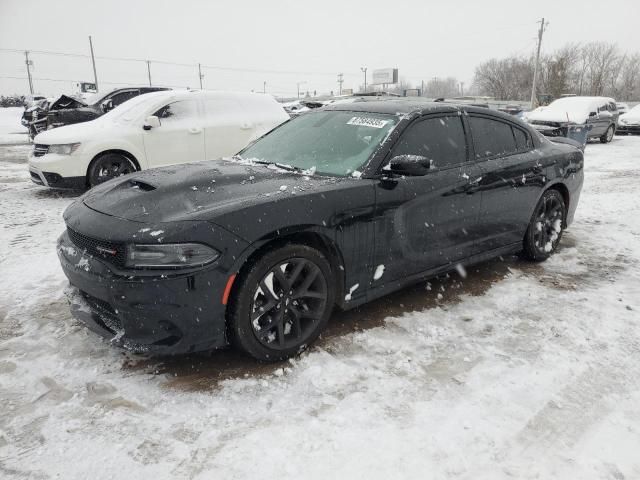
[144,186]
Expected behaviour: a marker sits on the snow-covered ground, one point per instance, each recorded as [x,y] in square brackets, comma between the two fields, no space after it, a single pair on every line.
[11,130]
[518,371]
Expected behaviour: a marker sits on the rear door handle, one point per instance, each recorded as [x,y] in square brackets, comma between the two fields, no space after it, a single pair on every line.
[195,130]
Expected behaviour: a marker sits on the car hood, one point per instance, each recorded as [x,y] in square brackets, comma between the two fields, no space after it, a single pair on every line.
[77,132]
[555,115]
[64,102]
[631,117]
[198,191]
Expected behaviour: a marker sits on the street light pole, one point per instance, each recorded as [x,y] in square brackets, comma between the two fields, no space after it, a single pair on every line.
[200,76]
[264,87]
[364,70]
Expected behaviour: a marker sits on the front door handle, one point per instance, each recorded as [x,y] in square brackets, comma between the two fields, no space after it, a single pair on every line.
[473,186]
[195,130]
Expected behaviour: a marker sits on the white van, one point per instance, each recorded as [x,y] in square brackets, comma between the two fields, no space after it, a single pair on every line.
[152,130]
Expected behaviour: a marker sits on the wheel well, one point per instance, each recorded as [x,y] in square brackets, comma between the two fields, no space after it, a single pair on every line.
[115,150]
[311,239]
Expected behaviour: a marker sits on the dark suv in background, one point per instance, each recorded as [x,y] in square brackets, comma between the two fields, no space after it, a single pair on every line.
[68,110]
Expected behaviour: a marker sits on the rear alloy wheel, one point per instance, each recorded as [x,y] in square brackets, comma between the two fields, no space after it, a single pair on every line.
[282,303]
[108,166]
[608,135]
[546,226]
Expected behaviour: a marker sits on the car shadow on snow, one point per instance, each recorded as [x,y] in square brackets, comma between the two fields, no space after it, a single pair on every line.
[201,372]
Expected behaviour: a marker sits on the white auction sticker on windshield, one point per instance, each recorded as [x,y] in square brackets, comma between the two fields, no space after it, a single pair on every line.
[367,122]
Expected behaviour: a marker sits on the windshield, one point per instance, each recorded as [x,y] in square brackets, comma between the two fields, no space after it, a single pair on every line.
[329,142]
[130,110]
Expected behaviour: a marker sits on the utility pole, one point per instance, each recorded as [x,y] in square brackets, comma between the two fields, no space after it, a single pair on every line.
[200,76]
[535,67]
[422,88]
[28,63]
[93,62]
[149,71]
[298,85]
[364,70]
[340,81]
[264,87]
[462,89]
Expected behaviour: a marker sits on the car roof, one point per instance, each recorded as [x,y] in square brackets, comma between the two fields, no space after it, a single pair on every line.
[406,106]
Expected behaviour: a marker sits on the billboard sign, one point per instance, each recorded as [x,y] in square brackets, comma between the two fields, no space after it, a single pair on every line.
[385,75]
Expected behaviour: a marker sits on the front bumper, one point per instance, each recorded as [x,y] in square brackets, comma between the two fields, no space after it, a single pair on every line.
[628,129]
[60,171]
[143,312]
[54,180]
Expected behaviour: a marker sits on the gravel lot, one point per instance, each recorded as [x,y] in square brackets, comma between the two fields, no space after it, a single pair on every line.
[519,371]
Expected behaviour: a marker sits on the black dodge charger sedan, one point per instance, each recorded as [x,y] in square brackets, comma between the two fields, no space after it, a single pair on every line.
[331,209]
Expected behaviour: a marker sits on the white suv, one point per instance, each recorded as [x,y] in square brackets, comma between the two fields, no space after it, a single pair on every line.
[152,130]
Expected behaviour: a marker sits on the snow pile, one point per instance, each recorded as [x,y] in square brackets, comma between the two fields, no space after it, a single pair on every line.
[11,130]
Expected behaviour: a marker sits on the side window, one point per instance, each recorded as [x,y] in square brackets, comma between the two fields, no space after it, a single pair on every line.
[522,139]
[177,111]
[440,139]
[122,97]
[492,137]
[221,106]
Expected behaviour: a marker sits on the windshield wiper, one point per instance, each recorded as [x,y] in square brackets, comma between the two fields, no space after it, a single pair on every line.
[291,168]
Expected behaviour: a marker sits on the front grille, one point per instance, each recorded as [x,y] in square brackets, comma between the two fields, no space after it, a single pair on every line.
[112,252]
[107,316]
[39,150]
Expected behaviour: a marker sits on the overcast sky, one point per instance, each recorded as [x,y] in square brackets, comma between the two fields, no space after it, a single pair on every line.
[309,41]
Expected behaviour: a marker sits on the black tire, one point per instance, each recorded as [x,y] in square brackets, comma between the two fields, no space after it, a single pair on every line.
[108,166]
[294,310]
[546,227]
[608,135]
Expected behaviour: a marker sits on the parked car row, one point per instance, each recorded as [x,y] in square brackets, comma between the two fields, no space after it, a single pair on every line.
[152,130]
[45,114]
[581,118]
[330,209]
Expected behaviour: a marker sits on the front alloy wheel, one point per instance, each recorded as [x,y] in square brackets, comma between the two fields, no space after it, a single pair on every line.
[283,303]
[608,135]
[108,166]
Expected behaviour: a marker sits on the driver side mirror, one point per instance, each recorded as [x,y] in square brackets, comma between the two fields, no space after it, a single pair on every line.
[151,122]
[593,114]
[106,105]
[413,165]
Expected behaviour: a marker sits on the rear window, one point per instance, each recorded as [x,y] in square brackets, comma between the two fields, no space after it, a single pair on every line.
[492,137]
[522,139]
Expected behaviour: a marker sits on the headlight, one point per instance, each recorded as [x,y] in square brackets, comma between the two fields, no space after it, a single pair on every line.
[64,148]
[623,120]
[170,255]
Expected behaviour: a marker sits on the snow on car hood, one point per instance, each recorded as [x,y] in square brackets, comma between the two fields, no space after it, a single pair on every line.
[197,191]
[632,116]
[77,132]
[563,110]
